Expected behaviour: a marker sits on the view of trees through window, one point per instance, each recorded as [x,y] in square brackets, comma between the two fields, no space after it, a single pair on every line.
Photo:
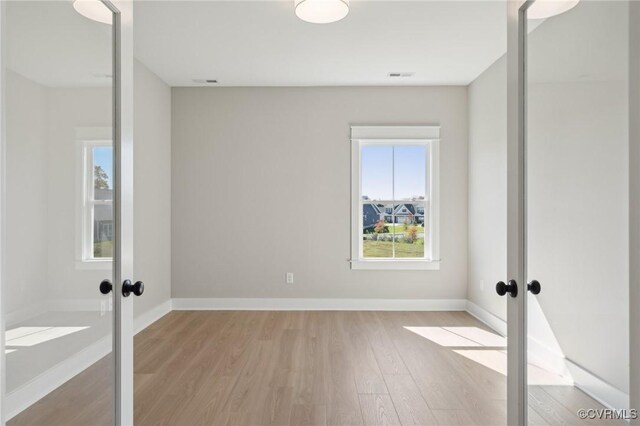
[102,202]
[394,201]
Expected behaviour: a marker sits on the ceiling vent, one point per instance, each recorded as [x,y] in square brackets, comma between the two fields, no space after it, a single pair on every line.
[205,81]
[401,74]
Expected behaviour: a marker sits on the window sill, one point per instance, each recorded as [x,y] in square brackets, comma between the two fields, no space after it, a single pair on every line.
[95,265]
[396,265]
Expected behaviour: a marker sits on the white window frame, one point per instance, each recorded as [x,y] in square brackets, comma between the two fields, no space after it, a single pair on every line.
[428,136]
[87,140]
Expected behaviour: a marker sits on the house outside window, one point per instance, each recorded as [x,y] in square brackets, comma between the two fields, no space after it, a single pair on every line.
[96,216]
[395,194]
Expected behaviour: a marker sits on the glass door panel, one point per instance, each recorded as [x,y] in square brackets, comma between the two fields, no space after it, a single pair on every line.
[59,221]
[577,213]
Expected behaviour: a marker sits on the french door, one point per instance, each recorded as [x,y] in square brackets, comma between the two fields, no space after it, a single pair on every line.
[67,228]
[568,212]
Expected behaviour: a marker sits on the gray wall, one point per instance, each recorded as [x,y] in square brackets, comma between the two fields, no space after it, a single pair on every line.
[261,187]
[488,188]
[578,220]
[42,193]
[578,191]
[26,195]
[152,186]
[68,110]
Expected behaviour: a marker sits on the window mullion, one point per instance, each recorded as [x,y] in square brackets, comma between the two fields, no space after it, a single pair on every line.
[393,201]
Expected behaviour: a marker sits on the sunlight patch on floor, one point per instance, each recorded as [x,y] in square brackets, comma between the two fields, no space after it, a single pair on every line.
[31,336]
[483,337]
[497,361]
[488,350]
[459,336]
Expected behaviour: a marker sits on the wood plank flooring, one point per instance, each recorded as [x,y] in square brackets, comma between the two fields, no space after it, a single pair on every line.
[305,368]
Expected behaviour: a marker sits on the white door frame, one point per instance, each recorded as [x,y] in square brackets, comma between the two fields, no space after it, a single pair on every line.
[516,211]
[3,382]
[634,204]
[123,207]
[517,395]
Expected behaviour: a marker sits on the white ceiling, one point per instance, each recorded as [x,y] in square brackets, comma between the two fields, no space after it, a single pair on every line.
[263,43]
[50,43]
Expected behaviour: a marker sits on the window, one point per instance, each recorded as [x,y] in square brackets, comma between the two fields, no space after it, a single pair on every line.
[395,197]
[97,201]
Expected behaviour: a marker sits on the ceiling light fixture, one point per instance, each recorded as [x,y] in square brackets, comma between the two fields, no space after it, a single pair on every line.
[94,10]
[322,11]
[541,9]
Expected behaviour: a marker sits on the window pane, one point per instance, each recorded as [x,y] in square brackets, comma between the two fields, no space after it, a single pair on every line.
[409,194]
[410,173]
[103,230]
[377,196]
[377,172]
[103,173]
[410,231]
[377,239]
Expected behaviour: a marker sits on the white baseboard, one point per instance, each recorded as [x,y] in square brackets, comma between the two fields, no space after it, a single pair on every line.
[75,305]
[294,304]
[31,392]
[152,315]
[493,322]
[20,315]
[603,392]
[540,354]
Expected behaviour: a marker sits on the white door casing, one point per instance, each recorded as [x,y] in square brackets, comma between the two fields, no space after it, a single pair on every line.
[516,210]
[123,207]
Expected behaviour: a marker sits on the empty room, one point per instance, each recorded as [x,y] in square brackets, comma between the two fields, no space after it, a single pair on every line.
[320,212]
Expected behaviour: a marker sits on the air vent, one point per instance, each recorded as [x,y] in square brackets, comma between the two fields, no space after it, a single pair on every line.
[401,74]
[205,81]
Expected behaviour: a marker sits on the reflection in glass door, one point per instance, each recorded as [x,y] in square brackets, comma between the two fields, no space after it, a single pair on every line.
[577,214]
[59,221]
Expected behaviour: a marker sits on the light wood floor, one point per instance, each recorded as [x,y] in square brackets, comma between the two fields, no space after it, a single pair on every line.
[306,368]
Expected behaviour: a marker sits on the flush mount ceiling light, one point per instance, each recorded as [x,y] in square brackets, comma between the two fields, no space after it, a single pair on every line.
[322,11]
[541,9]
[94,10]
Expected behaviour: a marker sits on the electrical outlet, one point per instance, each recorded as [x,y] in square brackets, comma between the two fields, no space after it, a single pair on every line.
[289,277]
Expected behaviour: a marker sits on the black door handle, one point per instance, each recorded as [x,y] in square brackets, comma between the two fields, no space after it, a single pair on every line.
[128,288]
[511,288]
[105,287]
[534,287]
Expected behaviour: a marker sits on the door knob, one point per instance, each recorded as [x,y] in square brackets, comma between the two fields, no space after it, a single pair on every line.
[105,287]
[511,288]
[128,288]
[534,287]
